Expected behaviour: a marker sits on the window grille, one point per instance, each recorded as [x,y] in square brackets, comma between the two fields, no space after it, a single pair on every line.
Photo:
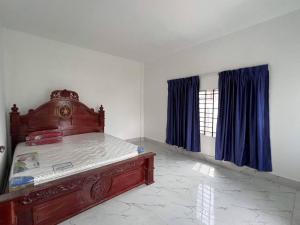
[208,108]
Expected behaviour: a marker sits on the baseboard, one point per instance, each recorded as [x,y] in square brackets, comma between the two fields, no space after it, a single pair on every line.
[135,140]
[245,170]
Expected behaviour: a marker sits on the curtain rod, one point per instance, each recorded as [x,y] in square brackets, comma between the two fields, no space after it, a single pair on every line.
[241,67]
[221,70]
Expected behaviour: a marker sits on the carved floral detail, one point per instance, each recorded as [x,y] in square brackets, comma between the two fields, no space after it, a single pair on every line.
[101,188]
[125,167]
[64,94]
[65,111]
[100,184]
[51,192]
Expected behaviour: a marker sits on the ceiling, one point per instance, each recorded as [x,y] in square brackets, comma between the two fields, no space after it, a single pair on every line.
[143,30]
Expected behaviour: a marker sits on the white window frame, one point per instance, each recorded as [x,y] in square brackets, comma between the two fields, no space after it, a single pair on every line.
[208,110]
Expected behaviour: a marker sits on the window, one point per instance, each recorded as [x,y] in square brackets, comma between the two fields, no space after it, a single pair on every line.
[208,108]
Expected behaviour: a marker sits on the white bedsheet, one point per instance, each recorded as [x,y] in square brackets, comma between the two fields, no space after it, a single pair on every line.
[83,151]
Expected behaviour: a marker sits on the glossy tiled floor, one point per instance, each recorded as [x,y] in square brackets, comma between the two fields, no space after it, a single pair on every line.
[190,192]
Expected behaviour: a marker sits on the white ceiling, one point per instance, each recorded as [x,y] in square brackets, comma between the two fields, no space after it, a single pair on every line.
[144,30]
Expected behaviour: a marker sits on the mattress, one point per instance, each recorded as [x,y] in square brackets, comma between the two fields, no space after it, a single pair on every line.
[75,154]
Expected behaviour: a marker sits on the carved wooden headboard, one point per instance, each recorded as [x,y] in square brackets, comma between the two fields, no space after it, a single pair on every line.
[64,111]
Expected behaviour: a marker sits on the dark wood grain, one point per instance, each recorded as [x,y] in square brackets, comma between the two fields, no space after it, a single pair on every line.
[55,201]
[80,119]
[58,200]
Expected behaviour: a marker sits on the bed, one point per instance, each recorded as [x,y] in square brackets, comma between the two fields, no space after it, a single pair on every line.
[87,168]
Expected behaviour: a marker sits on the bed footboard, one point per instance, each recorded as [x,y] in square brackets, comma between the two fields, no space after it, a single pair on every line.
[58,200]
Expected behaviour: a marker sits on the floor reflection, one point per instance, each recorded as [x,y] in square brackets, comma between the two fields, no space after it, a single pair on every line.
[190,192]
[205,204]
[204,169]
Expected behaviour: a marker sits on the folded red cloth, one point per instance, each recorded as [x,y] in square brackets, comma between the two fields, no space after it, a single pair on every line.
[38,135]
[44,141]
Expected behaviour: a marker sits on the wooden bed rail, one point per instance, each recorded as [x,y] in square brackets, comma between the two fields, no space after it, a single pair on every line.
[55,201]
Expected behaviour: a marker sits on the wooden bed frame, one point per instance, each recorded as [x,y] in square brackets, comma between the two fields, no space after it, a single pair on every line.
[55,201]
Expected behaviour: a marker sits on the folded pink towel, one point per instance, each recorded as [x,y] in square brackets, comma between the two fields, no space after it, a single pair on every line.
[38,135]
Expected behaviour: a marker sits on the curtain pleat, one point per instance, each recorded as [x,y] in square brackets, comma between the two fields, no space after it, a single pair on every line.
[243,130]
[183,128]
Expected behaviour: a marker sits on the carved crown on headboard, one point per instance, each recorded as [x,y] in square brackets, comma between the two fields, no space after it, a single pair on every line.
[64,111]
[64,94]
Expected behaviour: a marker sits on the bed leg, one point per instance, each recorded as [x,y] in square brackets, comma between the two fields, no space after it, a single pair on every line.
[149,178]
[7,214]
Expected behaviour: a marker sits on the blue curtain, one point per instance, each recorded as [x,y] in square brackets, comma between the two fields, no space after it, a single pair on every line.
[243,132]
[183,128]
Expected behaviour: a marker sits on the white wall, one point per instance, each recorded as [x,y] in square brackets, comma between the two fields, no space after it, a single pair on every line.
[2,110]
[35,66]
[277,43]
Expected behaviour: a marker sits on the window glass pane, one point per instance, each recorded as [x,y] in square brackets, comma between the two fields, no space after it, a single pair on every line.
[209,111]
[208,133]
[216,103]
[208,120]
[215,126]
[216,96]
[209,102]
[216,113]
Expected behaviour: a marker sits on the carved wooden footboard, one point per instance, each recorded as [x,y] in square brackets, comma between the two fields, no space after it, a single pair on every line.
[55,201]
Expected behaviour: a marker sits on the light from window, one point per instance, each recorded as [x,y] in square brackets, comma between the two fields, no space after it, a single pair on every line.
[208,108]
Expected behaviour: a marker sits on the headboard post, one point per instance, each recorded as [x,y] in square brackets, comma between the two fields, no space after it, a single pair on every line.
[63,111]
[14,125]
[101,117]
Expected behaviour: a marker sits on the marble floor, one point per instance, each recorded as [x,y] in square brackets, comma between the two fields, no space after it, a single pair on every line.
[191,192]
